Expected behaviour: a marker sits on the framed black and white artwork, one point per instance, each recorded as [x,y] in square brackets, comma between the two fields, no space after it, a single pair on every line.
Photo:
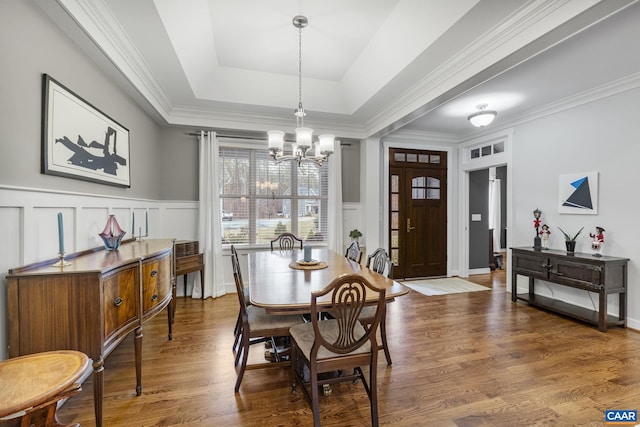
[79,141]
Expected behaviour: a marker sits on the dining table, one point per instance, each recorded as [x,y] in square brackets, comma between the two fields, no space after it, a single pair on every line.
[281,282]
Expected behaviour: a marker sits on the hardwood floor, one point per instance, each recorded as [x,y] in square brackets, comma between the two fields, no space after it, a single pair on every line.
[472,359]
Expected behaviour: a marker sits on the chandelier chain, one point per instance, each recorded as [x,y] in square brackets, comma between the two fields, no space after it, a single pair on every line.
[300,114]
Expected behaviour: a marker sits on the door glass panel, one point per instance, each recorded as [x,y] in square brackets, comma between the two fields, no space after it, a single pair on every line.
[433,194]
[423,158]
[433,182]
[395,183]
[395,256]
[417,193]
[395,241]
[395,202]
[398,157]
[394,220]
[418,182]
[475,153]
[435,158]
[412,157]
[486,151]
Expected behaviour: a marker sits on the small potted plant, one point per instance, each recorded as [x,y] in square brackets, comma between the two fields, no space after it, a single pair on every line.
[569,241]
[355,234]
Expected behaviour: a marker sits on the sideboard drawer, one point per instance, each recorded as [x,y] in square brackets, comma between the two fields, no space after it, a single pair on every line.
[120,303]
[156,273]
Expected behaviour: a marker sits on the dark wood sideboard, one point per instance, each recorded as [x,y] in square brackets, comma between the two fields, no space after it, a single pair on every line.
[92,304]
[189,260]
[602,275]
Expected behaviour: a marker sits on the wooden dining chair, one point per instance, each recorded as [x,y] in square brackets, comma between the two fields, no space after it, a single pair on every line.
[256,326]
[287,241]
[353,252]
[341,343]
[235,264]
[380,262]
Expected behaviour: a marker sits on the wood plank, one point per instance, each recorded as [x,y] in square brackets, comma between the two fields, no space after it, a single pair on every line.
[472,359]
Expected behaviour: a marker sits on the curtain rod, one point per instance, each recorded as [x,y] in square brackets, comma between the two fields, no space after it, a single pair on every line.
[255,138]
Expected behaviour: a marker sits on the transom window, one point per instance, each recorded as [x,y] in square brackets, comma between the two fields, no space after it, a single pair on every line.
[261,199]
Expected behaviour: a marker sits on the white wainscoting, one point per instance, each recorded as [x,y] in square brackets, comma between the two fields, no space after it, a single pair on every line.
[352,218]
[30,224]
[29,218]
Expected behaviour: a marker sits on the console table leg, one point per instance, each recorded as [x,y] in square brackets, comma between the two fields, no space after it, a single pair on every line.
[602,311]
[202,283]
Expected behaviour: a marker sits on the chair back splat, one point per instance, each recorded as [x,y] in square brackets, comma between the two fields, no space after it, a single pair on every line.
[287,242]
[353,252]
[380,262]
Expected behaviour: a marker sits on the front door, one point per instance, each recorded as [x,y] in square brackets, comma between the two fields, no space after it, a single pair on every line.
[418,217]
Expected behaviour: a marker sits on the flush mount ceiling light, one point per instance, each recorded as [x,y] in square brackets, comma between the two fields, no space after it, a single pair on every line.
[301,149]
[482,117]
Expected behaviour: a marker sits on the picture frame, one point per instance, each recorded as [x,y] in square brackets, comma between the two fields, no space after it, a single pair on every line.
[578,193]
[79,141]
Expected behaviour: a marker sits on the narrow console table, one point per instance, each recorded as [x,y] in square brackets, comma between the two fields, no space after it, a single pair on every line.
[189,260]
[92,304]
[602,275]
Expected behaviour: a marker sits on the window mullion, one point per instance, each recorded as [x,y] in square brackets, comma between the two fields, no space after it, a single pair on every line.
[253,230]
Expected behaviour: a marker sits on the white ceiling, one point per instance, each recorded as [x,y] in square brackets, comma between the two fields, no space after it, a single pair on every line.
[370,67]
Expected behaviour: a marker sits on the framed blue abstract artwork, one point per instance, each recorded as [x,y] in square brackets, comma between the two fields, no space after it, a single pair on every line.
[578,193]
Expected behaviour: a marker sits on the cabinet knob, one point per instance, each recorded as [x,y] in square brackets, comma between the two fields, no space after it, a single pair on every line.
[154,273]
[118,301]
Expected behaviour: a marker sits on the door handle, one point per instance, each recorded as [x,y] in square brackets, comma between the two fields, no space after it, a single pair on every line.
[409,227]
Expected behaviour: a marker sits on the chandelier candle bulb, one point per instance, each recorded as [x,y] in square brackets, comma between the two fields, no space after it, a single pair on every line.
[327,142]
[276,140]
[304,137]
[133,224]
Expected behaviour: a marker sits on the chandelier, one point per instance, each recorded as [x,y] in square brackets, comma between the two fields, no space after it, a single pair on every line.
[301,150]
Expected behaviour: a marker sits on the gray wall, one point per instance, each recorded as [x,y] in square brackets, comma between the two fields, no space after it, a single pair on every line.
[30,45]
[351,172]
[179,154]
[479,230]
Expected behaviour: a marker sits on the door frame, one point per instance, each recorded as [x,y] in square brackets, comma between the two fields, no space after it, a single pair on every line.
[419,145]
[465,165]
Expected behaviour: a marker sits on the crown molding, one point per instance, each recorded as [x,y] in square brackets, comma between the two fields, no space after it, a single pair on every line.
[463,71]
[228,119]
[418,136]
[99,25]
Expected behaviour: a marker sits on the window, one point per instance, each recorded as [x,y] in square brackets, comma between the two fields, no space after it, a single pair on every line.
[261,199]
